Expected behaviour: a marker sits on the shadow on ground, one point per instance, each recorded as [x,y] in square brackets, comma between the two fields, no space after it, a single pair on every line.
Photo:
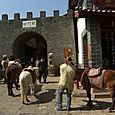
[52,82]
[37,89]
[45,97]
[100,105]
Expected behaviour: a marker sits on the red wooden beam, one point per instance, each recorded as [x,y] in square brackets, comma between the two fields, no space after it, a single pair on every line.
[84,14]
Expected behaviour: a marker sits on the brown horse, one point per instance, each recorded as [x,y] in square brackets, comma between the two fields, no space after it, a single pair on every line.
[109,82]
[12,75]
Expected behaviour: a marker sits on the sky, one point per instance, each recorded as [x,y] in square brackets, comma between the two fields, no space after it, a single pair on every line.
[10,7]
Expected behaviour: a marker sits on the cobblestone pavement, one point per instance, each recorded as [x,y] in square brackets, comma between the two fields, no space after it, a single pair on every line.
[45,102]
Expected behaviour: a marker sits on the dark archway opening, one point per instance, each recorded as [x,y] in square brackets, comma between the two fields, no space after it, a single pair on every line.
[30,45]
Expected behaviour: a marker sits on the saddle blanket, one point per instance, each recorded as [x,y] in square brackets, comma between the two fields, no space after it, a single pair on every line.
[98,82]
[94,72]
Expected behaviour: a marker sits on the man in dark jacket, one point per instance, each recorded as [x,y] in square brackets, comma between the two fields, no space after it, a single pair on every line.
[42,69]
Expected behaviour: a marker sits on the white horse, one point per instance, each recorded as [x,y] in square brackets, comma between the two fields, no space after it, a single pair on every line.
[25,80]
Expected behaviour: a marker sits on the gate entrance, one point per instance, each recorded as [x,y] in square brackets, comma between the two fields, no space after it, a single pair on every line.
[30,45]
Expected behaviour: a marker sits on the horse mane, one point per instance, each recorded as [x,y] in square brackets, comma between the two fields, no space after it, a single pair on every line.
[78,74]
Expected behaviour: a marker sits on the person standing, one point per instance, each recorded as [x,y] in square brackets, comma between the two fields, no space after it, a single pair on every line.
[32,62]
[42,70]
[66,82]
[4,64]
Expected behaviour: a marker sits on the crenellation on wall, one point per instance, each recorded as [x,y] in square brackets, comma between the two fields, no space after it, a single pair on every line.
[70,12]
[56,13]
[4,17]
[29,15]
[17,16]
[42,14]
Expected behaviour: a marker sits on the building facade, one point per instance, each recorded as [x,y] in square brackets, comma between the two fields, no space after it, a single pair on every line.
[95,32]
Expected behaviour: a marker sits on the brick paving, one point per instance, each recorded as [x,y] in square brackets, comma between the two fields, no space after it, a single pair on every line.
[45,102]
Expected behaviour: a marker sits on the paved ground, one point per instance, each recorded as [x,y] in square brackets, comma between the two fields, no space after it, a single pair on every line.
[45,102]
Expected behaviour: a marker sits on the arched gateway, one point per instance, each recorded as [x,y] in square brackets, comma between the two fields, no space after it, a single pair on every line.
[30,45]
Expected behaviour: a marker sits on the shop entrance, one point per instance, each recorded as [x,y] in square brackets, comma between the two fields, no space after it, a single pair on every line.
[108,43]
[108,50]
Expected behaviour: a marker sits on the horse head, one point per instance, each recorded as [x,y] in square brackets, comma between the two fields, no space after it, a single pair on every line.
[36,69]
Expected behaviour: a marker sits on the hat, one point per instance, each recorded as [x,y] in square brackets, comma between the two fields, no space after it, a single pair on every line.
[4,56]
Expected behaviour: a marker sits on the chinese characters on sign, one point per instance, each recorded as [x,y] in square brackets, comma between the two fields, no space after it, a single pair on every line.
[28,24]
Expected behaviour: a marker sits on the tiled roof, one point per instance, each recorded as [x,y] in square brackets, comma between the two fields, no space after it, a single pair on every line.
[92,10]
[86,12]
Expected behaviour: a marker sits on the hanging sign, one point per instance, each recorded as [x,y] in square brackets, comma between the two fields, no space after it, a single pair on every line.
[89,51]
[29,24]
[67,52]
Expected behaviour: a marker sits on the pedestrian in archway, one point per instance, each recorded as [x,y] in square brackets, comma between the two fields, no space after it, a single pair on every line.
[42,70]
[32,62]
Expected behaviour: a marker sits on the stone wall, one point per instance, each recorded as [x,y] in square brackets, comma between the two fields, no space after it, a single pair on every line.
[58,32]
[94,38]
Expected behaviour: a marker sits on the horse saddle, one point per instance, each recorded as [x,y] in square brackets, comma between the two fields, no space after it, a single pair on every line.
[95,72]
[32,74]
[96,77]
[13,66]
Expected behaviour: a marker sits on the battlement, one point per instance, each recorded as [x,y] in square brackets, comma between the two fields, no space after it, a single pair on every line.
[29,15]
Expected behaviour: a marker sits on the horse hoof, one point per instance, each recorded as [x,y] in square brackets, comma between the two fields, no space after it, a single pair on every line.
[9,94]
[13,95]
[23,103]
[17,89]
[90,107]
[89,104]
[28,100]
[110,110]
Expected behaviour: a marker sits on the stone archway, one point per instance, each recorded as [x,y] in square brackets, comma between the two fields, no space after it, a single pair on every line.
[28,45]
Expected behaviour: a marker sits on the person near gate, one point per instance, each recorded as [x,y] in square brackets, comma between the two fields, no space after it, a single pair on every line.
[32,62]
[4,64]
[42,70]
[66,82]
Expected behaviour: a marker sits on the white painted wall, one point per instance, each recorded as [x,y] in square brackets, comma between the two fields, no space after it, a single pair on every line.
[80,26]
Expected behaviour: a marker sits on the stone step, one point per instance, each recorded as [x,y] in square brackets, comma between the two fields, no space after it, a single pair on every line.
[94,93]
[101,95]
[99,91]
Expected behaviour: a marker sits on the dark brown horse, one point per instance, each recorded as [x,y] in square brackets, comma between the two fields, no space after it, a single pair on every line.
[109,82]
[12,75]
